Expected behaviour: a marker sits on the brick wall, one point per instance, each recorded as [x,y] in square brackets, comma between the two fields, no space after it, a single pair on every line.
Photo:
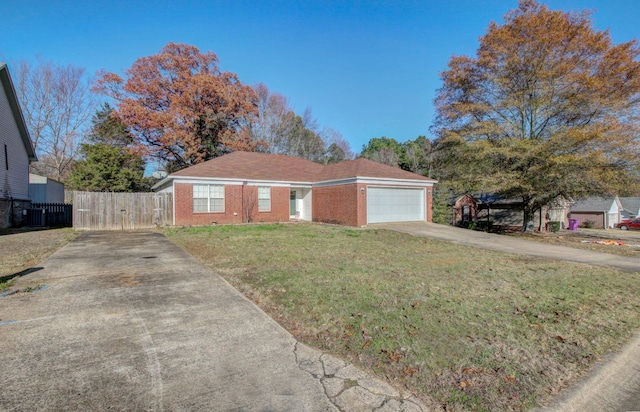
[343,204]
[279,204]
[239,203]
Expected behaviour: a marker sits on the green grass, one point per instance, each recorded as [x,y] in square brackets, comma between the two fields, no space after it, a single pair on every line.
[467,328]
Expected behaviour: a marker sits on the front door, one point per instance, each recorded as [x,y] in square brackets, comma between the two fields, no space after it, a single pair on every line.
[292,203]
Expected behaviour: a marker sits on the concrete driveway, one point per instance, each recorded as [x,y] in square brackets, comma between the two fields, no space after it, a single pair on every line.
[129,321]
[513,245]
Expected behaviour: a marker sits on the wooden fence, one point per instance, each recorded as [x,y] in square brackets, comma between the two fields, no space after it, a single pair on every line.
[120,211]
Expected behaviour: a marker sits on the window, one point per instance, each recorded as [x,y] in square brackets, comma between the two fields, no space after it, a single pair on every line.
[208,198]
[264,199]
[6,157]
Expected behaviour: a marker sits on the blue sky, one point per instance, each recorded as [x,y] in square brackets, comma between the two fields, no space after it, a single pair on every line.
[366,68]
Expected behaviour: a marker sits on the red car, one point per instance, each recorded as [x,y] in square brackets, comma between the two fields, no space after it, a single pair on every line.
[629,224]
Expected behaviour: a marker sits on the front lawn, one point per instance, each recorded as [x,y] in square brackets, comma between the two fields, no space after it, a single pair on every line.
[460,327]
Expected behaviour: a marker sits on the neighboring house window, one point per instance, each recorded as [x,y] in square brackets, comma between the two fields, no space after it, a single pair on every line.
[264,199]
[208,198]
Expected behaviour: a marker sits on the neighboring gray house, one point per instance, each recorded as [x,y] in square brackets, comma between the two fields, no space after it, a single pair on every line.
[45,190]
[16,153]
[631,206]
[604,212]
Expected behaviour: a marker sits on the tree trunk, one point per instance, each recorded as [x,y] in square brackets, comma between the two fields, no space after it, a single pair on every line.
[528,209]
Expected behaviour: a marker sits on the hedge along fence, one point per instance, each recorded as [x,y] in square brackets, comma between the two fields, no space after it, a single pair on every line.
[120,211]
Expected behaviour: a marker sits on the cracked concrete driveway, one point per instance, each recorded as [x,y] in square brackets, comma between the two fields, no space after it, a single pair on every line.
[129,321]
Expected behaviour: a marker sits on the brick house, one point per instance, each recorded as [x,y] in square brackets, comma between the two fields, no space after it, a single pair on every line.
[256,187]
[16,153]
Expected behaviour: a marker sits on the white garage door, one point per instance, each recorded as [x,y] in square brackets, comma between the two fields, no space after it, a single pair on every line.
[386,204]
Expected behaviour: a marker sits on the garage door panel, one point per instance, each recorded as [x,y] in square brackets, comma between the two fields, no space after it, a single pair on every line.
[395,204]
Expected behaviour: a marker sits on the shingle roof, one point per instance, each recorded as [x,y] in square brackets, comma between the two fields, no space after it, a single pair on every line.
[7,84]
[255,166]
[631,204]
[269,167]
[593,204]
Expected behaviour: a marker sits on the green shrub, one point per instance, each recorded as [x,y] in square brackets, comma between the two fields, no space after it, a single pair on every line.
[553,226]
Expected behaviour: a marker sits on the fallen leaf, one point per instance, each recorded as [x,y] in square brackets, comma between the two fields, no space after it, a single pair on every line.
[509,378]
[409,371]
[464,384]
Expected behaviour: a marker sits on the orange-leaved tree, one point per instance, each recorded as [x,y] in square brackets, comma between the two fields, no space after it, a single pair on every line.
[549,107]
[180,107]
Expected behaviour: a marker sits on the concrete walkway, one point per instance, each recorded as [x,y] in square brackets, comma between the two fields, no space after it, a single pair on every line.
[129,321]
[613,385]
[509,244]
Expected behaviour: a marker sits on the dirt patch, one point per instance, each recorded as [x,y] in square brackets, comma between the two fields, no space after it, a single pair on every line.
[23,250]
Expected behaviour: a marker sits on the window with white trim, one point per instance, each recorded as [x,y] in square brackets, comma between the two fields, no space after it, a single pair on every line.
[208,198]
[264,199]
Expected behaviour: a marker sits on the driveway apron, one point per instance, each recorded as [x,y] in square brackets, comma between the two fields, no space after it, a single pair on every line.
[129,321]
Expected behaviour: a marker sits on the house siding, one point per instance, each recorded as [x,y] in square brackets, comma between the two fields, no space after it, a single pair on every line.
[234,210]
[14,182]
[340,204]
[45,190]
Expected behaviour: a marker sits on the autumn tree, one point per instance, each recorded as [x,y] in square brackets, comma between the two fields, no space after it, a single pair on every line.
[57,104]
[549,107]
[180,107]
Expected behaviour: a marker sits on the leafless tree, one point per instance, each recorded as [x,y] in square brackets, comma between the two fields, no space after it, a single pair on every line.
[57,103]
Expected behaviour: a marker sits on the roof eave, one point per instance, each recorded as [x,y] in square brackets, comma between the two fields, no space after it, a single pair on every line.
[7,83]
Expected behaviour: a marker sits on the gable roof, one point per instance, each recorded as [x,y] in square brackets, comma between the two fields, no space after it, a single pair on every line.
[594,204]
[7,85]
[282,168]
[631,204]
